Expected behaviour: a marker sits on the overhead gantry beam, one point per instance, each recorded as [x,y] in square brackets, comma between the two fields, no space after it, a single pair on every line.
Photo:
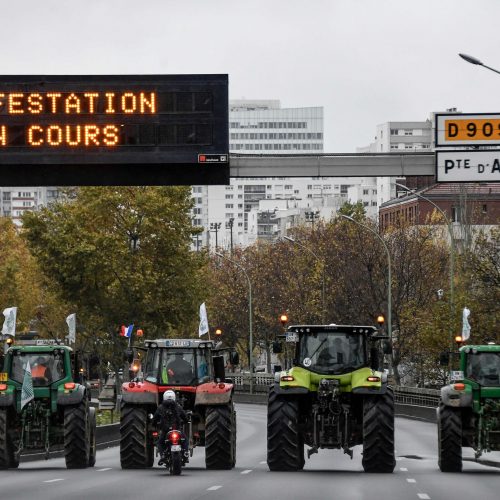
[333,165]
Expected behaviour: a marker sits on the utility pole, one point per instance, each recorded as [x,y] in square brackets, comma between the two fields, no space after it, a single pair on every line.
[229,225]
[215,226]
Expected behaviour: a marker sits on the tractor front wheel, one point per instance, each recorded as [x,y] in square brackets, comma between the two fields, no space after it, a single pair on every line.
[285,447]
[220,437]
[136,449]
[76,436]
[449,440]
[378,433]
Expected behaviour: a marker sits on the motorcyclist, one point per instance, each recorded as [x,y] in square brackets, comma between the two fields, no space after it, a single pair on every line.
[170,415]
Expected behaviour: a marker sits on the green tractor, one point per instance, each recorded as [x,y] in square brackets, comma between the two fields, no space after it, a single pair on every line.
[50,413]
[469,409]
[333,397]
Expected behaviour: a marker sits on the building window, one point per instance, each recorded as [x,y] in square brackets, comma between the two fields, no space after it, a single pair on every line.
[394,131]
[343,188]
[288,186]
[229,205]
[408,131]
[485,209]
[365,191]
[228,197]
[455,214]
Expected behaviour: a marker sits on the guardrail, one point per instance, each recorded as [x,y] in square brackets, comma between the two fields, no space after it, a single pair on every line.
[409,396]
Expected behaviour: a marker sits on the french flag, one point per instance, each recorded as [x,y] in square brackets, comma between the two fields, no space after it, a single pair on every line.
[126,331]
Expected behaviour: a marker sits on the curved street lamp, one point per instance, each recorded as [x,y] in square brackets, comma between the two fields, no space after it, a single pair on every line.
[389,272]
[250,333]
[452,255]
[322,262]
[473,60]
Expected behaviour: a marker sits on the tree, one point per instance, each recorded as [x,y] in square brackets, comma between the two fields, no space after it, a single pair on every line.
[122,256]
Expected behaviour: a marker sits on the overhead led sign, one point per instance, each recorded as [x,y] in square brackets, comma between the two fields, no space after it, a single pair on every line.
[118,129]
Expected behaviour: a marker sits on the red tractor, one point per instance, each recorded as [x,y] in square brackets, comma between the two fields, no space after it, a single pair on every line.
[195,370]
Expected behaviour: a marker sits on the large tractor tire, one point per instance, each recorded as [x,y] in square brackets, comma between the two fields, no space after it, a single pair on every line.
[136,449]
[449,440]
[220,437]
[92,440]
[378,433]
[9,442]
[4,440]
[285,446]
[76,436]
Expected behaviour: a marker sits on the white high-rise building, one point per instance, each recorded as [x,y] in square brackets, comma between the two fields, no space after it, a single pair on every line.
[265,208]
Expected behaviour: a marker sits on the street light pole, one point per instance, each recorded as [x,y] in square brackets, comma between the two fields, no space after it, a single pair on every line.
[452,255]
[473,60]
[215,226]
[250,332]
[389,272]
[322,262]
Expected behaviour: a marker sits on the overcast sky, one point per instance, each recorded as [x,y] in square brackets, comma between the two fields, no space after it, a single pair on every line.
[365,61]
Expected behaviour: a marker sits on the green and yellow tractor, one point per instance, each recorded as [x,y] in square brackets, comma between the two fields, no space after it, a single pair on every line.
[45,405]
[332,397]
[469,409]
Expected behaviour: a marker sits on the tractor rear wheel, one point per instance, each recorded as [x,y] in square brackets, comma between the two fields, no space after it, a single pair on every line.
[4,440]
[135,447]
[449,440]
[76,436]
[220,437]
[378,433]
[285,447]
[92,429]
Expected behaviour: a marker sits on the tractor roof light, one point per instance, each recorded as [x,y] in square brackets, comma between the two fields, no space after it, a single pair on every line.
[287,378]
[69,385]
[459,387]
[373,379]
[3,387]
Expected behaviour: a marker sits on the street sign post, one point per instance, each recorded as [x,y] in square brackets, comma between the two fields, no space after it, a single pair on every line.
[468,166]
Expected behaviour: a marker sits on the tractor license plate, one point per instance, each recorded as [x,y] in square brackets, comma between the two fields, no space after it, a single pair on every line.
[3,377]
[175,447]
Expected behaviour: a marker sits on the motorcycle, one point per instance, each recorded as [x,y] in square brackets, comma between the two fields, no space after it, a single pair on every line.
[174,457]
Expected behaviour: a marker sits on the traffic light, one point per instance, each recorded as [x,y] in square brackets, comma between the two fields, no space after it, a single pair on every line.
[218,332]
[284,319]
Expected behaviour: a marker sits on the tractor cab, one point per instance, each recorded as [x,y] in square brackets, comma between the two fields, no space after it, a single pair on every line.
[481,364]
[178,362]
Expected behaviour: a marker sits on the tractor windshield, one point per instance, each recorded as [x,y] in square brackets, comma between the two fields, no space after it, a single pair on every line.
[484,368]
[177,366]
[332,352]
[45,368]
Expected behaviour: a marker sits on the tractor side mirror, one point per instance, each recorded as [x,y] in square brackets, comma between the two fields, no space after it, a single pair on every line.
[387,347]
[129,355]
[234,358]
[374,358]
[219,371]
[277,347]
[444,358]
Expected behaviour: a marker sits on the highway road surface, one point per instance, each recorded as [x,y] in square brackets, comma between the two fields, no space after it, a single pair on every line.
[328,475]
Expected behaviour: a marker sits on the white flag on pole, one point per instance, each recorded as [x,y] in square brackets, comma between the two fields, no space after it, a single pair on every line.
[27,393]
[71,321]
[203,328]
[9,325]
[465,324]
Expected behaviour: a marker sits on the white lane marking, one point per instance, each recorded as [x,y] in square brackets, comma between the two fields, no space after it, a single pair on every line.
[246,471]
[264,462]
[213,488]
[399,459]
[412,480]
[53,480]
[403,469]
[105,469]
[424,496]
